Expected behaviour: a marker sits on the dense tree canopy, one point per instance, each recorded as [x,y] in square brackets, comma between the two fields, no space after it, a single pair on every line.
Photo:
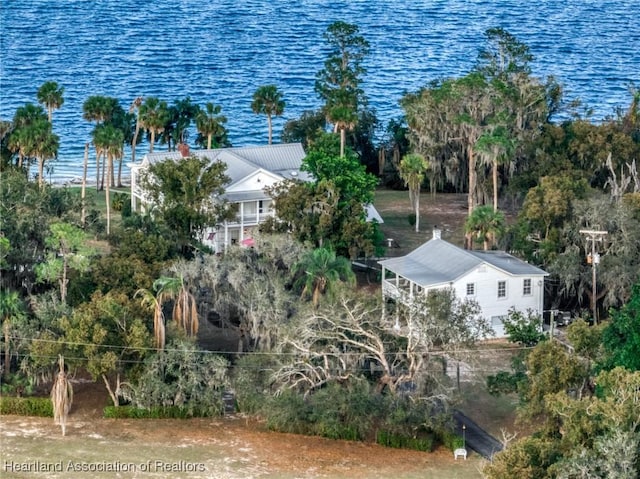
[186,195]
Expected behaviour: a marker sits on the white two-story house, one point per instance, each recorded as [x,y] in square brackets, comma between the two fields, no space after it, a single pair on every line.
[496,280]
[251,169]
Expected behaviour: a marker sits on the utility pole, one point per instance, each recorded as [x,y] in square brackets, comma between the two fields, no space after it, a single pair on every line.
[594,259]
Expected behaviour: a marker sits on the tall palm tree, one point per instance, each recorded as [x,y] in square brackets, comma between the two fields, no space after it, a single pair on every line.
[267,100]
[154,115]
[109,141]
[135,107]
[149,300]
[495,146]
[98,109]
[50,95]
[342,112]
[484,224]
[43,145]
[21,138]
[210,122]
[320,271]
[11,308]
[412,169]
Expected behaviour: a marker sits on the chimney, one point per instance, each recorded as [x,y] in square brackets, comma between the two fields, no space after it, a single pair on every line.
[436,232]
[183,148]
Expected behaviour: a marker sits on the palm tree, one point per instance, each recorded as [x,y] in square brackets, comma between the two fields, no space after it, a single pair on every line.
[485,225]
[267,100]
[185,310]
[11,308]
[154,115]
[21,138]
[98,109]
[321,270]
[149,300]
[494,147]
[210,122]
[135,106]
[50,95]
[342,112]
[43,145]
[109,141]
[412,169]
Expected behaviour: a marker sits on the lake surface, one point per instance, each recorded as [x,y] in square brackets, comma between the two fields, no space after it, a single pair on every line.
[222,51]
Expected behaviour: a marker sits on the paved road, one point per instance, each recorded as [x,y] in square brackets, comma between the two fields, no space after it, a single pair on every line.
[476,438]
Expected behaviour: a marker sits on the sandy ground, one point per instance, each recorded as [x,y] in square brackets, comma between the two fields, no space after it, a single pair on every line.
[222,448]
[231,447]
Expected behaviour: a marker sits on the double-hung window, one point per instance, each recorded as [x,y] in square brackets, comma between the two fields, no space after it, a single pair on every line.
[526,287]
[502,289]
[471,289]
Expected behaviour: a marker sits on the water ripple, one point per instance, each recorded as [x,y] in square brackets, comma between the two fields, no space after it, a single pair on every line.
[222,51]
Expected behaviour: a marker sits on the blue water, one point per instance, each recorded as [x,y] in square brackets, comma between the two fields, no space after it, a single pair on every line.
[222,51]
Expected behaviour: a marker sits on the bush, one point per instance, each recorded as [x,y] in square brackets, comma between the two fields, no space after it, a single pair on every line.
[26,406]
[450,440]
[387,439]
[251,383]
[156,412]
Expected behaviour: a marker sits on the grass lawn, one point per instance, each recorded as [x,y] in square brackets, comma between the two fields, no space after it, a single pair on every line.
[446,211]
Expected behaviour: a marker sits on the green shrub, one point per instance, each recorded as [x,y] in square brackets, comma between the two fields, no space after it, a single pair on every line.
[387,439]
[251,382]
[450,440]
[155,412]
[26,406]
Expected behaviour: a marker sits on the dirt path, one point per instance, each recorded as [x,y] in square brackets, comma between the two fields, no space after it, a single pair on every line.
[230,447]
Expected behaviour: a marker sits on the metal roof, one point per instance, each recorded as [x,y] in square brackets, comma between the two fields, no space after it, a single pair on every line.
[283,159]
[438,262]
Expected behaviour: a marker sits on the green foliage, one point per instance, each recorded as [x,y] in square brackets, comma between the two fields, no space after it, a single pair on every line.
[26,406]
[315,213]
[585,339]
[157,412]
[306,129]
[67,250]
[485,225]
[523,328]
[106,335]
[320,271]
[505,382]
[251,382]
[550,369]
[346,173]
[528,458]
[621,337]
[424,444]
[183,193]
[450,440]
[183,377]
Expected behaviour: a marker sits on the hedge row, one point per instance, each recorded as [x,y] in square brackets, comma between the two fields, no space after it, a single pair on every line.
[387,439]
[26,406]
[158,412]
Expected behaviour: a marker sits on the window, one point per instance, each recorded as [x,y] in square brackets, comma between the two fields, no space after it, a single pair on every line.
[526,287]
[502,289]
[260,207]
[471,289]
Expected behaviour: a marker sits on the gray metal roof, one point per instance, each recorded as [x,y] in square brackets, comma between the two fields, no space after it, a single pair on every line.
[283,159]
[438,262]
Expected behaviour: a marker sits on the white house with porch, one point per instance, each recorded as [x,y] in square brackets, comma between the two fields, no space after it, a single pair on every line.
[251,169]
[496,280]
